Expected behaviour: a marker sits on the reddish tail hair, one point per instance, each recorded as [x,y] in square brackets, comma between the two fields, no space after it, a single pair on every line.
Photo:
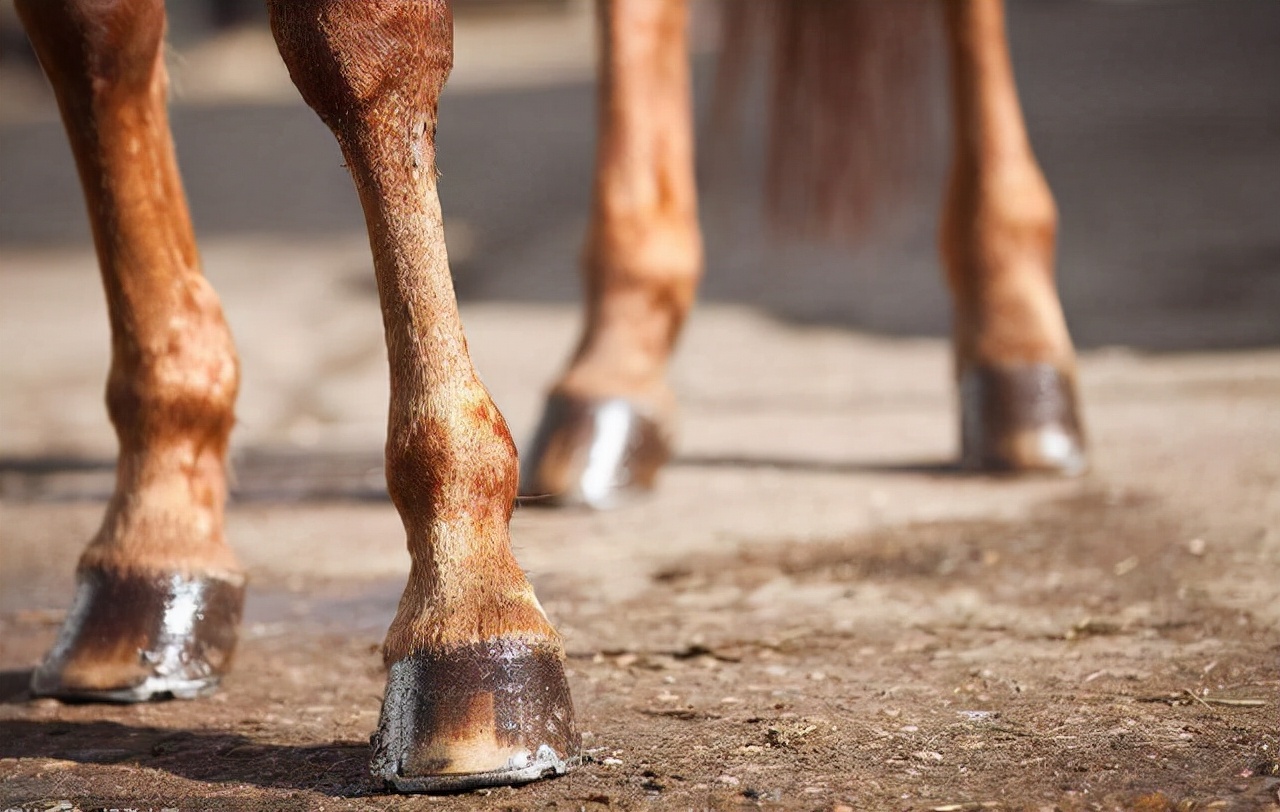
[849,107]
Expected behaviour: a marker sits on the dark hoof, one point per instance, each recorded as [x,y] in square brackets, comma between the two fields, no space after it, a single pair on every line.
[485,715]
[596,452]
[1020,417]
[133,638]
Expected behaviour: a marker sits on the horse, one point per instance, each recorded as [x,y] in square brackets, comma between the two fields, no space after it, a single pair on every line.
[476,693]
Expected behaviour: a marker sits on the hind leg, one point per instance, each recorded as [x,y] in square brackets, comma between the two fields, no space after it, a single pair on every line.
[608,420]
[159,591]
[1014,358]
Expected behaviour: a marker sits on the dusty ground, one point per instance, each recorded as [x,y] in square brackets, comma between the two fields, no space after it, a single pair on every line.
[814,611]
[1088,655]
[827,618]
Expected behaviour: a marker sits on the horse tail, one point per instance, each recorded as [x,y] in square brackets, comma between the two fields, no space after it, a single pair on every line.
[850,103]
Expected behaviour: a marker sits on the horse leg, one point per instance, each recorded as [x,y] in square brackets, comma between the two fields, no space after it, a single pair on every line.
[159,592]
[1014,359]
[606,428]
[476,693]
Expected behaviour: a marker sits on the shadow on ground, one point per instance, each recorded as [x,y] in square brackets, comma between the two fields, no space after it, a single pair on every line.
[277,476]
[339,769]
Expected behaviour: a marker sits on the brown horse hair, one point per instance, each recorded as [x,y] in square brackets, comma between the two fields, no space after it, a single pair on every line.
[851,91]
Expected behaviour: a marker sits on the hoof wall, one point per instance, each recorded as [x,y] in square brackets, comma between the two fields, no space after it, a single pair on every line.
[1020,418]
[596,453]
[136,638]
[490,714]
[544,764]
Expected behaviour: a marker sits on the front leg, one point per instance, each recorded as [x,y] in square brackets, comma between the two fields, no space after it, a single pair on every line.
[160,592]
[476,693]
[608,423]
[1014,358]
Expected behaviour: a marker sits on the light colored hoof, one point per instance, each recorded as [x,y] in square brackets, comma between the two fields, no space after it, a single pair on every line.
[543,764]
[596,453]
[1020,418]
[491,714]
[137,638]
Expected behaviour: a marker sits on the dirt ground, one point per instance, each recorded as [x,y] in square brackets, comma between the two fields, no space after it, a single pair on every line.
[814,611]
[1094,655]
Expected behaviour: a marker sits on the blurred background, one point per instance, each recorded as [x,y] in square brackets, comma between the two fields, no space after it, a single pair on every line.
[1157,123]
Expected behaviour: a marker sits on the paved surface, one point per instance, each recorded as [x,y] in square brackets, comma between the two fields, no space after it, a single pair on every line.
[817,412]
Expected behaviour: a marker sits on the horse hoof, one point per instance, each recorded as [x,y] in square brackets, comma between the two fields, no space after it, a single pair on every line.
[490,714]
[135,638]
[593,452]
[1020,417]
